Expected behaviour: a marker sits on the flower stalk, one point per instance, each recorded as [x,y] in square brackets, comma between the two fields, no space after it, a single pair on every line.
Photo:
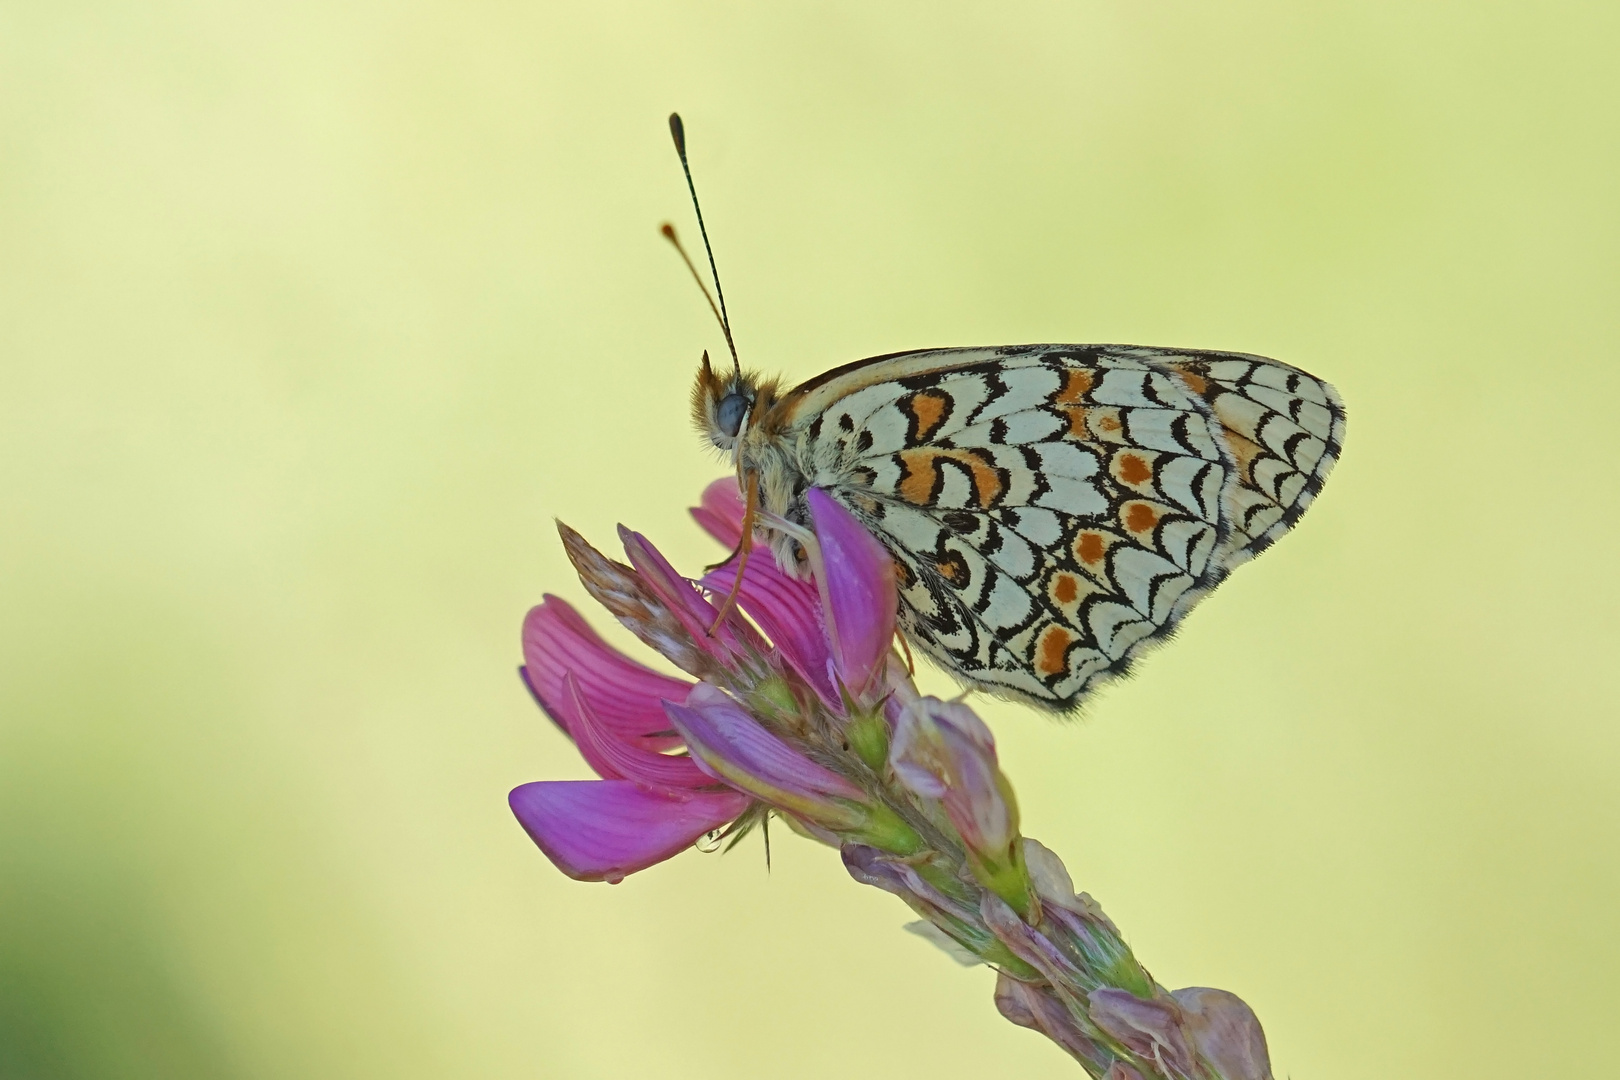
[800,709]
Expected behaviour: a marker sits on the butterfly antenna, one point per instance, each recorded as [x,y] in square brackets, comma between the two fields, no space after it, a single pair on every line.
[677,131]
[669,234]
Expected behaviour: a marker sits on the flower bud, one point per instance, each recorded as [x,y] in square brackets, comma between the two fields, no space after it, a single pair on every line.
[943,752]
[1038,1009]
[1150,1028]
[1225,1032]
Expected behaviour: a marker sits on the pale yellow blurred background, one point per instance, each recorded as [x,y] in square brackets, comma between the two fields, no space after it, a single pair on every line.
[313,316]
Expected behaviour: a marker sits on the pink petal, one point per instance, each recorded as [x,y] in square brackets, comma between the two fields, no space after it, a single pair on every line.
[695,613]
[625,696]
[860,592]
[616,759]
[788,611]
[730,744]
[721,512]
[602,830]
[528,684]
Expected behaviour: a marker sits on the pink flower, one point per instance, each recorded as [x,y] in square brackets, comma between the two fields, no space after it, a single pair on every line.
[557,641]
[797,706]
[634,726]
[842,634]
[648,805]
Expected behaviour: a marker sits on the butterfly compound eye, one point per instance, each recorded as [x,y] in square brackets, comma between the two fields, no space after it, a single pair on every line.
[733,407]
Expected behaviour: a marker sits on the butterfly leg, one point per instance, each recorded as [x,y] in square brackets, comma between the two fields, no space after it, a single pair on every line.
[905,647]
[746,545]
[731,556]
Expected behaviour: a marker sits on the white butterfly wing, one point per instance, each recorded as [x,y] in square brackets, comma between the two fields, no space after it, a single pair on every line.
[1051,508]
[1054,509]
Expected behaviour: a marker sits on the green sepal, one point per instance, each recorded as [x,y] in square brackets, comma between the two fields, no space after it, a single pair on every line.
[1008,880]
[941,878]
[885,831]
[774,696]
[1127,974]
[868,735]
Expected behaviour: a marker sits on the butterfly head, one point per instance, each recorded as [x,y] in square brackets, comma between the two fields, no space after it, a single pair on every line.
[724,407]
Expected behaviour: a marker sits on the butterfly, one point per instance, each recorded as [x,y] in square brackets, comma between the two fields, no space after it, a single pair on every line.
[1052,510]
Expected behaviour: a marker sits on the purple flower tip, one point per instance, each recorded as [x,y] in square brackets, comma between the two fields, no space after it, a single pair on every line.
[860,593]
[730,745]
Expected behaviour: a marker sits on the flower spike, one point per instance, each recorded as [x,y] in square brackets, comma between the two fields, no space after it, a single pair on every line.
[803,710]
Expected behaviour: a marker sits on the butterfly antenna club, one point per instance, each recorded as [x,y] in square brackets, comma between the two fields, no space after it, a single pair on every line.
[677,132]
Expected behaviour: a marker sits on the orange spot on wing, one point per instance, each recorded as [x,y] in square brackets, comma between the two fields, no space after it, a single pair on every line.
[1140,517]
[1065,589]
[1076,385]
[1077,419]
[1134,469]
[922,467]
[1110,422]
[1090,548]
[917,485]
[987,483]
[903,576]
[1196,382]
[1245,450]
[928,411]
[1054,643]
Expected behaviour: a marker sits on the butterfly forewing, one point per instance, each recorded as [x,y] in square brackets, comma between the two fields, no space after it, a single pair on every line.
[1051,509]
